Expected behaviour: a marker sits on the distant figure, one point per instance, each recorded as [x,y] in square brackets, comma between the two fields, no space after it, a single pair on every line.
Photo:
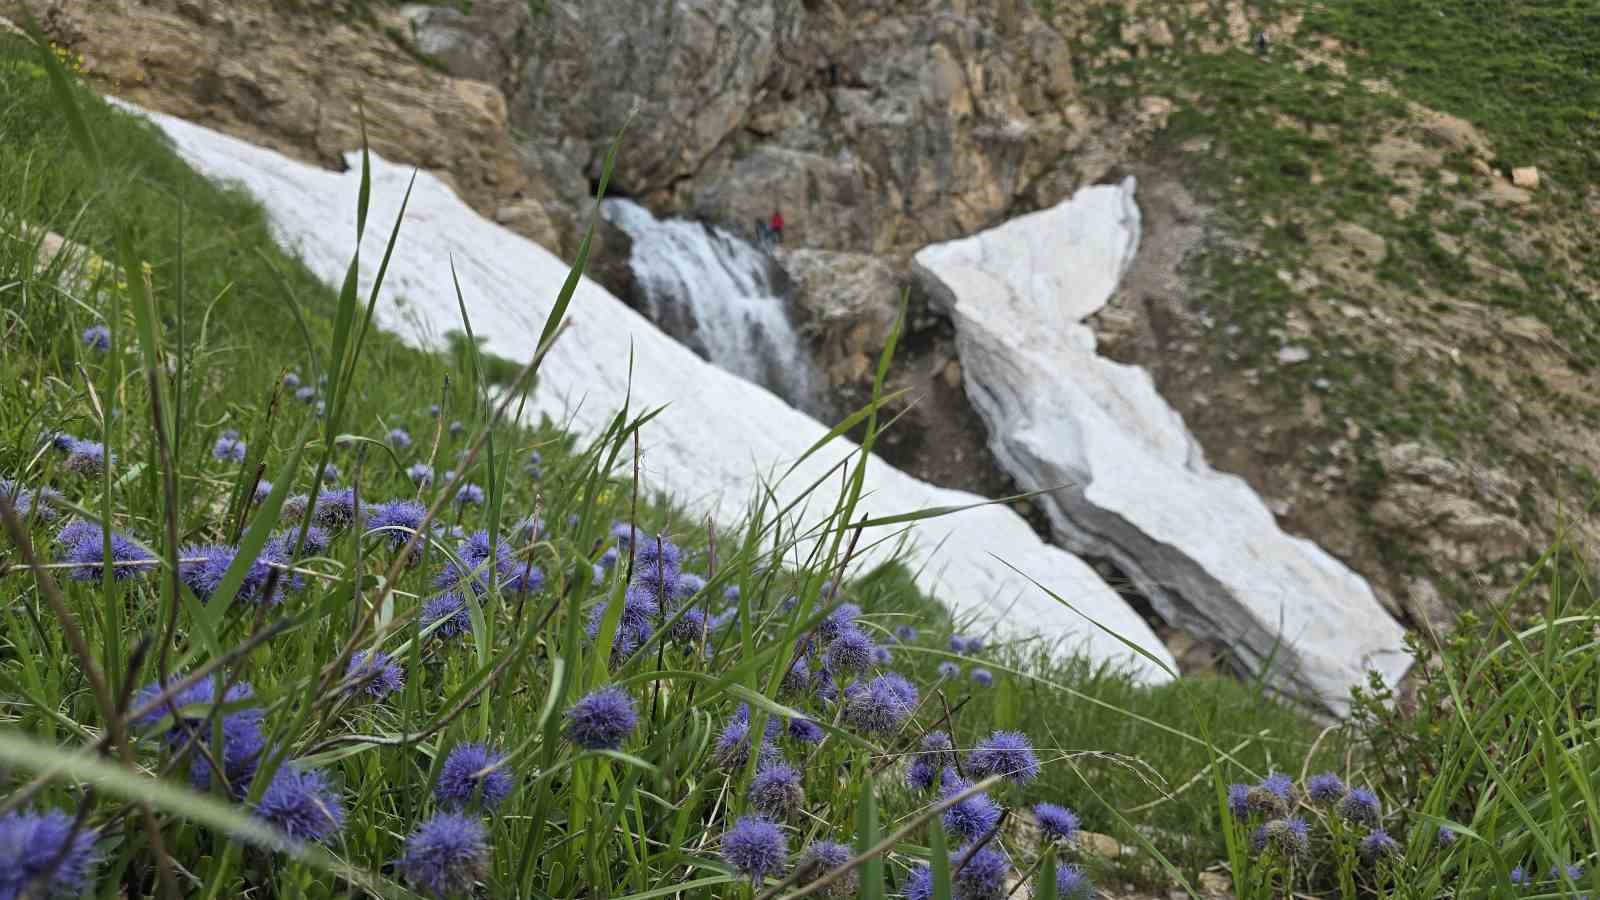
[763,235]
[1261,43]
[775,227]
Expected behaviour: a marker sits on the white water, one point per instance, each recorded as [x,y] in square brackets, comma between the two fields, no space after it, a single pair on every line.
[713,291]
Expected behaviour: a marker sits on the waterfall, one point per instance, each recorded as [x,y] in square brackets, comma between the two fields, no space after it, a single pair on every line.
[714,292]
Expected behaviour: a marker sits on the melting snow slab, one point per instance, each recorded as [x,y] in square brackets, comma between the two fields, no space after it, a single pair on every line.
[1201,544]
[719,434]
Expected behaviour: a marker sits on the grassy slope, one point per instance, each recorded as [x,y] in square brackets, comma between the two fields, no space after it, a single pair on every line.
[227,296]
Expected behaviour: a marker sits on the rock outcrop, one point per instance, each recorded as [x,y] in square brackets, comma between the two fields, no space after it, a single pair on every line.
[1125,479]
[718,436]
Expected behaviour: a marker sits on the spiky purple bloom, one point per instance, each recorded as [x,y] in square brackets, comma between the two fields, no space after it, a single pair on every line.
[1072,883]
[1239,800]
[836,622]
[982,677]
[42,854]
[936,752]
[1325,789]
[1446,837]
[88,458]
[446,855]
[639,610]
[608,559]
[905,634]
[1004,753]
[475,555]
[1359,807]
[451,609]
[205,575]
[602,719]
[280,544]
[623,533]
[524,579]
[242,745]
[40,502]
[657,565]
[291,380]
[1573,872]
[958,643]
[756,847]
[433,410]
[421,474]
[61,440]
[687,585]
[293,509]
[456,427]
[396,521]
[228,447]
[399,438]
[331,473]
[821,857]
[1289,837]
[378,677]
[690,627]
[86,551]
[851,651]
[190,706]
[983,877]
[919,884]
[469,494]
[471,772]
[805,731]
[972,817]
[1056,823]
[336,508]
[882,704]
[1280,784]
[302,803]
[262,491]
[948,669]
[97,337]
[776,791]
[1378,845]
[797,679]
[1520,877]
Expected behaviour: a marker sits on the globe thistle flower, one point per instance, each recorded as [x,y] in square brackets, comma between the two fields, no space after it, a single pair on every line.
[935,753]
[294,508]
[291,380]
[242,745]
[44,852]
[972,817]
[1446,838]
[1573,872]
[421,474]
[687,585]
[805,730]
[1239,801]
[756,847]
[190,706]
[40,502]
[657,565]
[475,553]
[1520,877]
[905,634]
[1288,838]
[451,609]
[823,684]
[851,651]
[377,677]
[302,804]
[471,772]
[1359,807]
[86,553]
[1325,789]
[690,626]
[97,337]
[1056,823]
[821,857]
[434,410]
[982,677]
[958,643]
[882,705]
[400,439]
[336,508]
[305,394]
[88,458]
[60,440]
[1378,846]
[446,855]
[1004,753]
[731,750]
[948,669]
[205,574]
[1280,784]
[262,491]
[919,884]
[602,719]
[396,521]
[983,877]
[228,447]
[470,494]
[524,579]
[797,679]
[776,791]
[281,545]
[456,428]
[622,533]
[835,623]
[1072,883]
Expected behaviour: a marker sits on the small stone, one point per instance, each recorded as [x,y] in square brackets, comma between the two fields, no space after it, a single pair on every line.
[1526,177]
[1101,845]
[1289,356]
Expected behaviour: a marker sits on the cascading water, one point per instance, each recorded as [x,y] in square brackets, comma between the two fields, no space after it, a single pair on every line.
[714,293]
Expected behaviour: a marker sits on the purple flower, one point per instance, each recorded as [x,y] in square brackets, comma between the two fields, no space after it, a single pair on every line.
[204,576]
[919,884]
[656,566]
[420,474]
[797,679]
[472,771]
[882,704]
[602,719]
[396,521]
[1359,807]
[302,804]
[1286,837]
[399,438]
[451,609]
[433,410]
[331,473]
[1239,800]
[805,731]
[776,791]
[972,817]
[279,545]
[687,585]
[1280,784]
[608,559]
[1446,837]
[336,508]
[958,643]
[1573,872]
[524,579]
[936,753]
[242,746]
[1325,789]
[851,651]
[1004,753]
[96,337]
[1378,846]
[948,669]
[756,847]
[983,877]
[446,855]
[469,494]
[1056,823]
[456,428]
[905,634]
[27,503]
[1520,877]
[821,857]
[86,551]
[88,458]
[378,677]
[263,489]
[305,394]
[1072,883]
[62,441]
[291,380]
[475,554]
[639,609]
[228,447]
[622,533]
[982,677]
[837,621]
[43,852]
[690,626]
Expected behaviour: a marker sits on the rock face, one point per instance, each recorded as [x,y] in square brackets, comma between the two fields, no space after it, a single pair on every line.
[1133,484]
[718,435]
[846,302]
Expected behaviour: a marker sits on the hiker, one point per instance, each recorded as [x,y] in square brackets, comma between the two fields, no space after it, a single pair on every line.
[775,227]
[763,235]
[1261,43]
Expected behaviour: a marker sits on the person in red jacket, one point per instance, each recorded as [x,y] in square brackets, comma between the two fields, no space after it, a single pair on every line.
[775,226]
